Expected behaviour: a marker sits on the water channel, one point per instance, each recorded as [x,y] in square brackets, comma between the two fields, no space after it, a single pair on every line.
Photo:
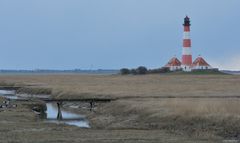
[52,111]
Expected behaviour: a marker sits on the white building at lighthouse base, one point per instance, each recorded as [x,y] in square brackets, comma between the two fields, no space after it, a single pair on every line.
[199,64]
[186,68]
[174,64]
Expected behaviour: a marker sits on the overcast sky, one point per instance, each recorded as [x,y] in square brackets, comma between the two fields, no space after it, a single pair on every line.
[111,34]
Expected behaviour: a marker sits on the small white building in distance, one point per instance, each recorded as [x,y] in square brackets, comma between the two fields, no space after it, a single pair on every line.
[200,64]
[174,64]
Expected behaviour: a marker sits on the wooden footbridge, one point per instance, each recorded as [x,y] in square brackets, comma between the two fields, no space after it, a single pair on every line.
[10,87]
[78,100]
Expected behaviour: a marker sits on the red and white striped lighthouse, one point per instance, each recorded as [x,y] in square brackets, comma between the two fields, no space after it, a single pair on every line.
[186,51]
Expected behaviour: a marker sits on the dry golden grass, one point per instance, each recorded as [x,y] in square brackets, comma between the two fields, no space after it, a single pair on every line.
[206,118]
[117,86]
[203,107]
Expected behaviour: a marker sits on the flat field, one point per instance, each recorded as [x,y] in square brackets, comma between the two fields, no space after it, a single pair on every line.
[117,86]
[149,108]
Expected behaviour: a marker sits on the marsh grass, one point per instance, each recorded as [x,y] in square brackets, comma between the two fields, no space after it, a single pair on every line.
[199,117]
[139,105]
[203,107]
[116,86]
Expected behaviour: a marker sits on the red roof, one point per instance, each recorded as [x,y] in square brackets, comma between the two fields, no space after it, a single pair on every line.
[200,62]
[173,62]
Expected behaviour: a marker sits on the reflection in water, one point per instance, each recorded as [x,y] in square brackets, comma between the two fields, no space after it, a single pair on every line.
[52,111]
[9,94]
[67,117]
[59,115]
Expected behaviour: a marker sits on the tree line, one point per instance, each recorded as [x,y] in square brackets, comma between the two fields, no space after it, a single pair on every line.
[141,70]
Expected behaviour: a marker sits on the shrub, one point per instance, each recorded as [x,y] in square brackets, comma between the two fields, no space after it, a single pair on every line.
[165,70]
[141,70]
[124,71]
[159,70]
[133,71]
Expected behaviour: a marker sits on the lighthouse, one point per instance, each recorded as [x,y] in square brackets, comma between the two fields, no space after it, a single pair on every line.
[186,49]
[186,64]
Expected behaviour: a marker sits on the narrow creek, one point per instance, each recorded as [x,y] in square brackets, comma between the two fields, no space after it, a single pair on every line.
[9,94]
[68,118]
[52,112]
